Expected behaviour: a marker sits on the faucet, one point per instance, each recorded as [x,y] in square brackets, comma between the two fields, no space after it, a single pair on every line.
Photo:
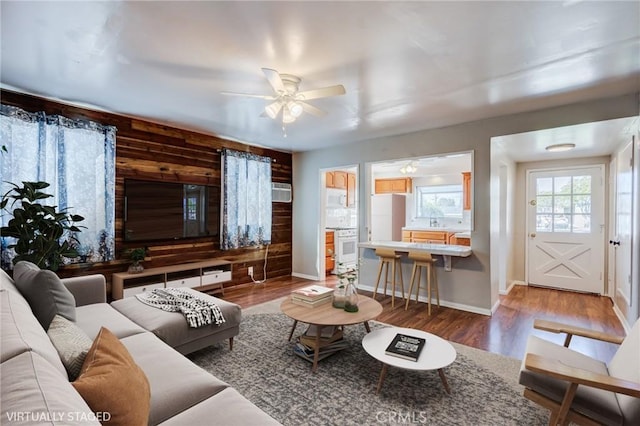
[433,222]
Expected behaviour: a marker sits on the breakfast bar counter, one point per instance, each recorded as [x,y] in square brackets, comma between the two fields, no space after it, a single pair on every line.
[445,250]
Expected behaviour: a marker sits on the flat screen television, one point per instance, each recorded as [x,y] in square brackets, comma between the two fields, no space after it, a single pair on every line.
[155,210]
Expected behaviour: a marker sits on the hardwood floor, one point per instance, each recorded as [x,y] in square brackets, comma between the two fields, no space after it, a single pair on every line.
[505,332]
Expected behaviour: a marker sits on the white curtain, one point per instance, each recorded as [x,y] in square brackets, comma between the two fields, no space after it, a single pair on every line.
[246,192]
[77,158]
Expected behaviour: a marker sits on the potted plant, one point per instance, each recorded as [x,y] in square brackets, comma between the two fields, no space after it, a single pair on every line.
[136,256]
[43,235]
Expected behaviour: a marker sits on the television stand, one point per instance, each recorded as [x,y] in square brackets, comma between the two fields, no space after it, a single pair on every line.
[207,276]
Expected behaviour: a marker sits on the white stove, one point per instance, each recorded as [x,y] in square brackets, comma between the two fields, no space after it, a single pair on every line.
[346,243]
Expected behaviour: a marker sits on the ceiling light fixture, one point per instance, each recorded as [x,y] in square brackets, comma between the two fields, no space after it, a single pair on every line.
[295,108]
[560,147]
[408,168]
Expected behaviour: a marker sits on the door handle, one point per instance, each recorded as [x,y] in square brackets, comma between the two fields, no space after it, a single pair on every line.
[532,235]
[615,243]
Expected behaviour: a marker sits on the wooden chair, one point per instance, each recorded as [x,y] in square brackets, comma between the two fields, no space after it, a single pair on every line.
[580,389]
[423,260]
[388,257]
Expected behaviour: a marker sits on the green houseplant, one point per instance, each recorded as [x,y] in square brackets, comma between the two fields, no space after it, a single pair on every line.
[43,235]
[136,255]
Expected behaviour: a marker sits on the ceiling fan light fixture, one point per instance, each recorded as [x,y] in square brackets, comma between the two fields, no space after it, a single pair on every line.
[295,108]
[560,147]
[287,117]
[408,168]
[273,109]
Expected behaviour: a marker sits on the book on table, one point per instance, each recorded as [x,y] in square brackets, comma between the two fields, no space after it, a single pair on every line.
[405,346]
[308,352]
[310,303]
[312,292]
[327,336]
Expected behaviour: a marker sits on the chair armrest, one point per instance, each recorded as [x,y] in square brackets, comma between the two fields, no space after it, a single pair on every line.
[87,289]
[556,327]
[557,369]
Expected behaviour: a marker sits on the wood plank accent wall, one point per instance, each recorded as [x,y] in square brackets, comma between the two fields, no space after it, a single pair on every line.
[147,150]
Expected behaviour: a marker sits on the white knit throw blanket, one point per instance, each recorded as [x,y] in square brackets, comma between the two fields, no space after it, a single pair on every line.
[197,310]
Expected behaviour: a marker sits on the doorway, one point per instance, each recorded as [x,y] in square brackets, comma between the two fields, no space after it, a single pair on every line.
[339,204]
[566,228]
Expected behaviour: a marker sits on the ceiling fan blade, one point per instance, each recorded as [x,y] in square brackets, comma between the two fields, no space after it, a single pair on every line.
[312,110]
[274,80]
[249,95]
[321,93]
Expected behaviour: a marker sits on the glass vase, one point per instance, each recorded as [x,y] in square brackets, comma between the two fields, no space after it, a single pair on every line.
[339,296]
[351,297]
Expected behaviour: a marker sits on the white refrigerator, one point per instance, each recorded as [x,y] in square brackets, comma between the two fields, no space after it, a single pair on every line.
[388,215]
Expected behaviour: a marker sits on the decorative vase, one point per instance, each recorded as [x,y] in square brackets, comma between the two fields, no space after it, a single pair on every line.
[135,268]
[351,297]
[339,296]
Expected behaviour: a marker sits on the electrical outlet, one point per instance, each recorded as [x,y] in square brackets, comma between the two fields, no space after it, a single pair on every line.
[250,271]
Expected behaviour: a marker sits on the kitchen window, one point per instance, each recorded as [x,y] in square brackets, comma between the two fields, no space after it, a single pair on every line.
[436,201]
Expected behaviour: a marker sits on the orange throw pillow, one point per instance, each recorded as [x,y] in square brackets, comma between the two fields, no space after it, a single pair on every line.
[112,384]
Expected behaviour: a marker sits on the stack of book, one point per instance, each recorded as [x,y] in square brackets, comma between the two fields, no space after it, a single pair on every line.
[312,296]
[331,341]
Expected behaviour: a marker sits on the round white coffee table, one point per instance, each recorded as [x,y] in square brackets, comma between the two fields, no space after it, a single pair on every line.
[436,354]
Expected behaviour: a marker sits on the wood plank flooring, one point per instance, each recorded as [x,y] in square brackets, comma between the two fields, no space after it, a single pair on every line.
[505,332]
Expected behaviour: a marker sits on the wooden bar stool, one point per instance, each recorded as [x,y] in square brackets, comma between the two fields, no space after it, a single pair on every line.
[423,259]
[389,257]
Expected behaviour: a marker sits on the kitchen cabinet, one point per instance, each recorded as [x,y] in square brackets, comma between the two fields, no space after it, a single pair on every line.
[340,180]
[330,178]
[329,251]
[396,185]
[466,190]
[351,189]
[431,237]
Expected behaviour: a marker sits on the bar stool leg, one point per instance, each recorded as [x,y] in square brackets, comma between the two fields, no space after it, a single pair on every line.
[393,284]
[413,274]
[419,266]
[401,280]
[375,290]
[435,282]
[429,289]
[386,275]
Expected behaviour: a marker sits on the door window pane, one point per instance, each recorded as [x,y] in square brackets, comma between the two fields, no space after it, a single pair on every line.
[563,204]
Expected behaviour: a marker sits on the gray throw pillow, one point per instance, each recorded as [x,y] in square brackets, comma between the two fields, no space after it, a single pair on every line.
[71,343]
[45,293]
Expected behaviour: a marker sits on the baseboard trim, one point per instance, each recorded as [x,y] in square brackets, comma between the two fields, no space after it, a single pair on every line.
[305,276]
[513,284]
[423,299]
[621,318]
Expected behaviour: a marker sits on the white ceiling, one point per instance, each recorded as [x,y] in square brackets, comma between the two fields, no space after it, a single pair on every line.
[406,66]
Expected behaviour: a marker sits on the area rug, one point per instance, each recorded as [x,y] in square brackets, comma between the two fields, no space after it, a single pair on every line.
[263,368]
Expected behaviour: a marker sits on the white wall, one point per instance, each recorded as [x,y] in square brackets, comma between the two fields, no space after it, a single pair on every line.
[472,284]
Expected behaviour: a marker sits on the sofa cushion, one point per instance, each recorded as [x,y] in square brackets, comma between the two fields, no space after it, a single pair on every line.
[555,389]
[230,408]
[93,317]
[171,327]
[176,383]
[39,395]
[71,343]
[111,382]
[21,332]
[45,293]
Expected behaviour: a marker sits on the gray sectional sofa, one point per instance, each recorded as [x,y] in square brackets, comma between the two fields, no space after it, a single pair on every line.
[35,384]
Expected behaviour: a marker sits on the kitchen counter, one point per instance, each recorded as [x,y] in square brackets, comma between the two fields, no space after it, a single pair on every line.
[441,229]
[445,250]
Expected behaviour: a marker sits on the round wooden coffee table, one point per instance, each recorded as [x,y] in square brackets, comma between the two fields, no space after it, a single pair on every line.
[326,315]
[436,354]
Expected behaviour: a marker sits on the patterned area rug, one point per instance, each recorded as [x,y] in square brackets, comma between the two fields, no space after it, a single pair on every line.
[263,368]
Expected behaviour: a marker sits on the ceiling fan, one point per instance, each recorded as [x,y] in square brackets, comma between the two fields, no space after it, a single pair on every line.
[288,99]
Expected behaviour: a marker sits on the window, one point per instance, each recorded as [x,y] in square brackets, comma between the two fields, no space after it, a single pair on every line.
[77,158]
[439,201]
[246,211]
[563,204]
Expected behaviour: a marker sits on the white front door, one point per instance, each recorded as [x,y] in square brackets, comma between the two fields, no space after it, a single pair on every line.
[565,229]
[621,241]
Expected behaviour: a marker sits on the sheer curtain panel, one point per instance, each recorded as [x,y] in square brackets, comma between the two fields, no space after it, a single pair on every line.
[77,158]
[246,194]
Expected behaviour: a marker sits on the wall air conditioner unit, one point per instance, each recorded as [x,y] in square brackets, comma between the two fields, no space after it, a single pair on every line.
[280,192]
